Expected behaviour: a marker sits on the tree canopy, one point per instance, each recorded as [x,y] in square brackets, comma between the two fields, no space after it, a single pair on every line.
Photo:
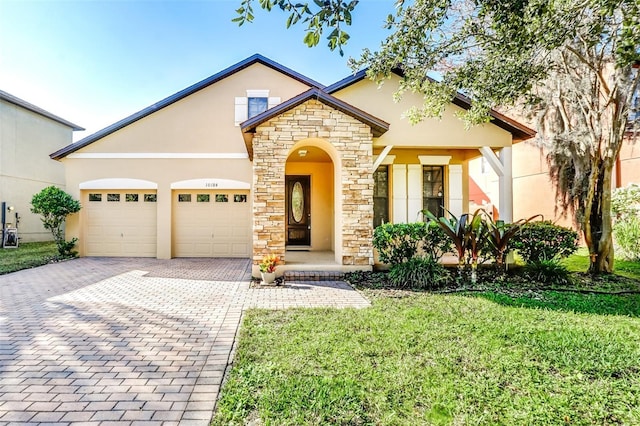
[571,65]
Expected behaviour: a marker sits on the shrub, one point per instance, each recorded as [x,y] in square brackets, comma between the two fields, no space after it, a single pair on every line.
[54,205]
[419,273]
[400,242]
[626,234]
[625,202]
[549,272]
[625,205]
[435,242]
[540,241]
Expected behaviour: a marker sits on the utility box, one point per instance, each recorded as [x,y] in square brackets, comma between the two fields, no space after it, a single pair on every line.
[10,238]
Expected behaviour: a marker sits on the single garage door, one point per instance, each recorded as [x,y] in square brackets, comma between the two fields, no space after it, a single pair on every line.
[120,222]
[211,223]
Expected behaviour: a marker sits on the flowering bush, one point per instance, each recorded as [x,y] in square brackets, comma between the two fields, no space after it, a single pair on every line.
[540,241]
[269,263]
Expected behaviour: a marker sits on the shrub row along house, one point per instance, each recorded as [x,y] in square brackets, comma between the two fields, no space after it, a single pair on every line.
[258,159]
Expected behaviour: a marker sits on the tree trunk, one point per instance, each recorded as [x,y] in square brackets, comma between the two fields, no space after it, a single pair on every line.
[600,243]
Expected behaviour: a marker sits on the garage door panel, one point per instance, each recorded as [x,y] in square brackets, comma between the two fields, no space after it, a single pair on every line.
[213,228]
[120,228]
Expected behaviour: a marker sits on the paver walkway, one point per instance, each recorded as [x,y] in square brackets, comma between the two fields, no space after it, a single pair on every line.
[102,341]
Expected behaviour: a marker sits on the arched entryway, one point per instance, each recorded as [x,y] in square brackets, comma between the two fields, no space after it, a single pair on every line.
[347,141]
[310,177]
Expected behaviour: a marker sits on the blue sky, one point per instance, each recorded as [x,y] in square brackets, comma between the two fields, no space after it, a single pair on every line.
[95,62]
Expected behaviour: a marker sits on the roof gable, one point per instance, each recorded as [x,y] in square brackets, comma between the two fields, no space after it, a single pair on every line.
[28,106]
[254,59]
[378,126]
[518,130]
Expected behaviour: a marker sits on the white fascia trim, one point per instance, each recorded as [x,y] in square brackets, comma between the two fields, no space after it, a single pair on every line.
[434,160]
[118,183]
[152,155]
[257,93]
[210,183]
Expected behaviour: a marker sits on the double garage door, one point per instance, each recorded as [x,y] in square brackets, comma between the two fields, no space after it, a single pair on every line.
[204,223]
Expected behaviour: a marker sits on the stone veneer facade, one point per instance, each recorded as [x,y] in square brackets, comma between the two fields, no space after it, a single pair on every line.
[353,143]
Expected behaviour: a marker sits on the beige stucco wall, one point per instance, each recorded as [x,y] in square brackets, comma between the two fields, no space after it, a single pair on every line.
[446,132]
[202,123]
[322,206]
[26,140]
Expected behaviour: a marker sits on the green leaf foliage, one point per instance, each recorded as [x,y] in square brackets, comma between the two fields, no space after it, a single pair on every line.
[420,274]
[321,16]
[54,205]
[545,241]
[549,272]
[398,243]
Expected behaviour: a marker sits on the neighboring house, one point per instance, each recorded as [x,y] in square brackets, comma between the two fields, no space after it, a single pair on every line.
[260,159]
[28,134]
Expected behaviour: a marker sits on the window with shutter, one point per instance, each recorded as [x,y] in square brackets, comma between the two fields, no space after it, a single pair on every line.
[256,102]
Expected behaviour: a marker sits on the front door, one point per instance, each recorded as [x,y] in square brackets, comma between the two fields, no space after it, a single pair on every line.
[298,211]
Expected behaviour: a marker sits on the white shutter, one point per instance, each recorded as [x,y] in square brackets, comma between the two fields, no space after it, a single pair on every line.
[455,189]
[414,192]
[242,110]
[399,193]
[273,101]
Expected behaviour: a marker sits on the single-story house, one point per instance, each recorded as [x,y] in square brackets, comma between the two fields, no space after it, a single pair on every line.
[27,135]
[259,159]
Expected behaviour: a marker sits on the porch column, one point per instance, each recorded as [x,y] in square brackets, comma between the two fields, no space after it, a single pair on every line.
[506,185]
[503,168]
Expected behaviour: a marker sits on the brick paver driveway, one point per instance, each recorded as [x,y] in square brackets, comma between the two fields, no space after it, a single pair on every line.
[129,341]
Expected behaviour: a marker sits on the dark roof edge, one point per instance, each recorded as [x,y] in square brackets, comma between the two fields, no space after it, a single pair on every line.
[256,58]
[517,129]
[377,125]
[346,82]
[31,107]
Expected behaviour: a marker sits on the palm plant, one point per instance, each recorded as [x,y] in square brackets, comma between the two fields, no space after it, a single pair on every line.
[466,234]
[500,234]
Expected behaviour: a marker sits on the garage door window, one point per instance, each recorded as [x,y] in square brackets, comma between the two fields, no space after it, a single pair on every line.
[203,198]
[95,197]
[131,198]
[240,198]
[222,198]
[184,198]
[113,197]
[150,198]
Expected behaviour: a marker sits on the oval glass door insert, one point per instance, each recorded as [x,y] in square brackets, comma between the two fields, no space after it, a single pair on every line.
[297,202]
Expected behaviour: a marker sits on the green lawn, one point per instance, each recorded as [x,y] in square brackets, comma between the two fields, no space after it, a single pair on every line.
[579,262]
[512,356]
[486,359]
[27,255]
